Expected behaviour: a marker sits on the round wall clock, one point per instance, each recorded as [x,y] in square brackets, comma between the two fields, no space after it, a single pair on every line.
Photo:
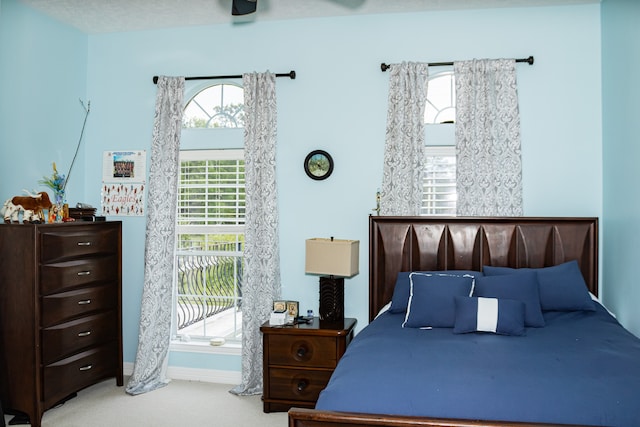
[318,165]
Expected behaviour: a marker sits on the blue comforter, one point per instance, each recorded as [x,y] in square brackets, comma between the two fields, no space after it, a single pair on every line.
[581,368]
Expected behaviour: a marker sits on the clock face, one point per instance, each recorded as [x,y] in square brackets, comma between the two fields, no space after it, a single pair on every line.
[318,165]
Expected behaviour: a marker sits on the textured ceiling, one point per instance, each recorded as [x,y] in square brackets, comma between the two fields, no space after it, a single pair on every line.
[106,16]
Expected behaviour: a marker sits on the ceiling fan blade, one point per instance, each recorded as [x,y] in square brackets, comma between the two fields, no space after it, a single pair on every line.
[243,7]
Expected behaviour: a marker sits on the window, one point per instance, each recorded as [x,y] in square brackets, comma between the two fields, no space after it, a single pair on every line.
[211,216]
[441,99]
[439,178]
[210,234]
[220,105]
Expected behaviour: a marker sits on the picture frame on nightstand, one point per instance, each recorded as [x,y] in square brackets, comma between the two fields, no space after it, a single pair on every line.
[279,306]
[292,309]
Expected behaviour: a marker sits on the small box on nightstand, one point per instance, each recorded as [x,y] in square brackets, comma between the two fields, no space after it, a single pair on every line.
[278,318]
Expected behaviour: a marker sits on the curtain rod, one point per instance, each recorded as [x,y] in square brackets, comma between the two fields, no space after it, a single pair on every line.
[385,67]
[291,74]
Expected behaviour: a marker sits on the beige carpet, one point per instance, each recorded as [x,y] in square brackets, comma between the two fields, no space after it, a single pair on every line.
[181,403]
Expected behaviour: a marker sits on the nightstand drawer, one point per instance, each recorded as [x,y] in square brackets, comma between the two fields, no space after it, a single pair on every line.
[298,384]
[304,351]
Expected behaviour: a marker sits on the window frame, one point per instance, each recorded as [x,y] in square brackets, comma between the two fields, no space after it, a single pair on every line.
[439,137]
[220,139]
[211,229]
[223,115]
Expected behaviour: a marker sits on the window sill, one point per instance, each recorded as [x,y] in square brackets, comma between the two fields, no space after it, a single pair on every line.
[233,349]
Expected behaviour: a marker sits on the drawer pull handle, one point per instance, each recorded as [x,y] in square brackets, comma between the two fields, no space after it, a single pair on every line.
[302,384]
[84,334]
[301,352]
[84,302]
[86,367]
[84,273]
[84,243]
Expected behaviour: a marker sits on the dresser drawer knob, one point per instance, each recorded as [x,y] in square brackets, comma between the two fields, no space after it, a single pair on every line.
[302,351]
[302,384]
[84,273]
[86,367]
[84,334]
[84,243]
[84,302]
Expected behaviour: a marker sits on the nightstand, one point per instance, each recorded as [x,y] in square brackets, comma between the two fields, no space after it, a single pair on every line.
[299,360]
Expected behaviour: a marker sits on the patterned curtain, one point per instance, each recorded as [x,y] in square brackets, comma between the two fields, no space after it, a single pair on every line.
[261,282]
[489,177]
[149,372]
[404,145]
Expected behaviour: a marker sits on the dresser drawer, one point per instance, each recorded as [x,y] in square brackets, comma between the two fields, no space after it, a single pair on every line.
[77,242]
[67,338]
[302,350]
[69,274]
[297,384]
[58,307]
[74,373]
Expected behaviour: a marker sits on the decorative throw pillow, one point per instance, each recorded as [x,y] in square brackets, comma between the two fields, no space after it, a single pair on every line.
[562,287]
[498,316]
[400,298]
[432,300]
[522,287]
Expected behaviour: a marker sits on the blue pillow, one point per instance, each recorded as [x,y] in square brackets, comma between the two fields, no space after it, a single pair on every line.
[562,287]
[522,287]
[400,298]
[498,316]
[432,300]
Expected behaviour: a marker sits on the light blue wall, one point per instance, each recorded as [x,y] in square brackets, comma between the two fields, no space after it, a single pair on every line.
[621,154]
[43,75]
[338,103]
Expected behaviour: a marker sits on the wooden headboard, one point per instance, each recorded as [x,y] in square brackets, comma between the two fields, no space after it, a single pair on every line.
[436,243]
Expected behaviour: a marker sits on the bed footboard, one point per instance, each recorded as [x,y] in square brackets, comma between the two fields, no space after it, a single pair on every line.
[299,417]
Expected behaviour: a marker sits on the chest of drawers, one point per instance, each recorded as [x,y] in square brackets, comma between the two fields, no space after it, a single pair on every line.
[299,360]
[60,312]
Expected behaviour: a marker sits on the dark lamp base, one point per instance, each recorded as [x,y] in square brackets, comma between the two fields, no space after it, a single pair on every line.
[331,299]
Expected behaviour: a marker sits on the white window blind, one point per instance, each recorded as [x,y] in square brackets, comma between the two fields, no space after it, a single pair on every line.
[439,181]
[211,189]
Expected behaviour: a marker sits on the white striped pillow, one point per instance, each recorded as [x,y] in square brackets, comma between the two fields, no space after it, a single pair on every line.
[493,315]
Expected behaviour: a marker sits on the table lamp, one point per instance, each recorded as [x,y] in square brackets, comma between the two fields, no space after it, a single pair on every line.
[333,259]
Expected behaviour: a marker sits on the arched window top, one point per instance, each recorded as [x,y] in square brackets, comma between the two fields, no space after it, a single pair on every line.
[216,106]
[441,99]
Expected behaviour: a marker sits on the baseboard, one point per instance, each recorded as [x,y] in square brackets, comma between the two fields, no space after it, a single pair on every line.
[192,374]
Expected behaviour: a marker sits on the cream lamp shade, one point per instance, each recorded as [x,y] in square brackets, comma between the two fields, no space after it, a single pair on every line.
[334,257]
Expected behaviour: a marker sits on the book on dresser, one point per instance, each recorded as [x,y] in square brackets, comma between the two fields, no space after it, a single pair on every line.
[60,312]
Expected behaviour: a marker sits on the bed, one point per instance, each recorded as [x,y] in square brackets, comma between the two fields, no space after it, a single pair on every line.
[570,364]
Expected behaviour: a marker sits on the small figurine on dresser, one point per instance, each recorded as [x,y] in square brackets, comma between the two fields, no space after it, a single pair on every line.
[31,206]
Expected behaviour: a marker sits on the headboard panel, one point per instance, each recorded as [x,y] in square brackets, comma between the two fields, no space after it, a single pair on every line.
[436,243]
